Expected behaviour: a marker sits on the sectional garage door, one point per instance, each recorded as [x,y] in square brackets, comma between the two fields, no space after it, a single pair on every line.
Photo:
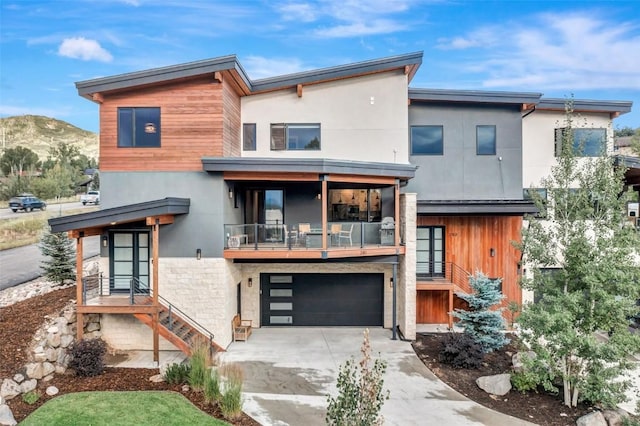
[322,299]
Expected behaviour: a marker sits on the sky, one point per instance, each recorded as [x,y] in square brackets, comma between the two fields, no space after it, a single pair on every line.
[584,49]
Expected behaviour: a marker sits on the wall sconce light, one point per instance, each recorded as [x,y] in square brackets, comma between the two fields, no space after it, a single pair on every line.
[250,282]
[105,241]
[391,282]
[198,254]
[492,252]
[230,193]
[319,196]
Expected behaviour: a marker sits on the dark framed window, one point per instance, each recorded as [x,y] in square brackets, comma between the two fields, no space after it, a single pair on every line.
[536,194]
[427,140]
[249,136]
[586,142]
[486,140]
[138,127]
[295,137]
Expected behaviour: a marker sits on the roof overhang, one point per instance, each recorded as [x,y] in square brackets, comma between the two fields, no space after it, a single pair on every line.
[632,173]
[526,100]
[476,207]
[308,165]
[613,108]
[162,210]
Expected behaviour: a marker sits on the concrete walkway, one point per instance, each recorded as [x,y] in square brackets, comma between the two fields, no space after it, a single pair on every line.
[290,371]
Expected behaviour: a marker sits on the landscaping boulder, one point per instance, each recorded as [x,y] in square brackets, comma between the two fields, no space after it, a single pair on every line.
[52,390]
[156,378]
[517,360]
[28,385]
[18,378]
[34,370]
[6,416]
[9,389]
[615,417]
[499,384]
[592,419]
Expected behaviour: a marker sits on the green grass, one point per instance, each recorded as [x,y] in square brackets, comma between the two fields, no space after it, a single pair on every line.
[120,408]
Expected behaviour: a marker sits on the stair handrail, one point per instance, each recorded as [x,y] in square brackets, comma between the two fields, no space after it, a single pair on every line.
[193,323]
[459,277]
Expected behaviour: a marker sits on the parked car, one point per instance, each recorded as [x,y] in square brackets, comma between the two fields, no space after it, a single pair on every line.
[26,202]
[91,197]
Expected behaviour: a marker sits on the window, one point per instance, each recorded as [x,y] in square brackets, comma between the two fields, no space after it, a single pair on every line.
[537,194]
[249,136]
[138,127]
[427,140]
[486,140]
[295,137]
[586,142]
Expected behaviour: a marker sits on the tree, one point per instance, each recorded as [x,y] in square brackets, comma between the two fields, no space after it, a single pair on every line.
[485,326]
[17,160]
[584,269]
[635,142]
[624,131]
[360,393]
[58,267]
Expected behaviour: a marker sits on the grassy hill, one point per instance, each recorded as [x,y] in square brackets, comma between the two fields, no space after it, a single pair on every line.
[40,133]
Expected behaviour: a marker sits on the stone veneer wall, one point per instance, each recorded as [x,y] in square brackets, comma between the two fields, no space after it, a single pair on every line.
[407,267]
[251,295]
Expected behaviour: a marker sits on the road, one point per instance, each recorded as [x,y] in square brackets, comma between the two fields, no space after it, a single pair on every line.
[22,264]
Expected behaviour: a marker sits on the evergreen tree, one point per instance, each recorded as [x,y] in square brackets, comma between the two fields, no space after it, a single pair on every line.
[592,250]
[59,265]
[484,325]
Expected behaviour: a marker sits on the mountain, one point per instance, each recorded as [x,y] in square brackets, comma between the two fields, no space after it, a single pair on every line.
[40,133]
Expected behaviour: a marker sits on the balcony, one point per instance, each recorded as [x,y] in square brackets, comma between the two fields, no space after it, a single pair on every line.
[311,240]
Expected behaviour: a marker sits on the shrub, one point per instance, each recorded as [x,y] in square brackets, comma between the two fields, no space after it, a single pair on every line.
[87,357]
[524,381]
[212,386]
[177,374]
[231,399]
[31,397]
[360,393]
[461,351]
[199,363]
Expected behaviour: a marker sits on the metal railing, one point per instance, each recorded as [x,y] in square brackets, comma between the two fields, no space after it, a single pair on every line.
[448,271]
[307,235]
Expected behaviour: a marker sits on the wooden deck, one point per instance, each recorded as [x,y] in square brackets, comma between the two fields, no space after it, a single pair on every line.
[117,304]
[282,251]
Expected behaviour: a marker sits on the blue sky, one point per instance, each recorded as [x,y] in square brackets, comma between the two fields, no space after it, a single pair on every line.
[588,49]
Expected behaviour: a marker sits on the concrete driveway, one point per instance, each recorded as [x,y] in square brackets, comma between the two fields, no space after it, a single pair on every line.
[290,371]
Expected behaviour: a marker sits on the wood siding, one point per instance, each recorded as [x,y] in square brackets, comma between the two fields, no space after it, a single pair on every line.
[468,243]
[231,118]
[192,121]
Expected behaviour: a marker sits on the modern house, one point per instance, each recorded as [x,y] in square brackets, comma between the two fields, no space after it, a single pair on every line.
[312,199]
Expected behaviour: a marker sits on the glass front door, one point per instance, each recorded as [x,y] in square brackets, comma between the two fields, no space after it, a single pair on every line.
[266,207]
[430,251]
[129,261]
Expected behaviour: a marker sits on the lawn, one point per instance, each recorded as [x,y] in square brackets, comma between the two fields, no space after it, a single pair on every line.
[120,408]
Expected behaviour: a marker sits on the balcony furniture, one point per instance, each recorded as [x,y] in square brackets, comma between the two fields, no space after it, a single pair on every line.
[313,238]
[387,231]
[241,328]
[336,228]
[345,234]
[235,240]
[303,230]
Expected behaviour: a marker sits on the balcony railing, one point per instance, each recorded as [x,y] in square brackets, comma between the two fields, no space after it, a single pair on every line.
[304,236]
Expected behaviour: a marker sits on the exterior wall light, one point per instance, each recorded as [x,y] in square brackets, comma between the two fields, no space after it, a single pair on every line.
[230,193]
[105,241]
[492,252]
[391,282]
[198,254]
[250,282]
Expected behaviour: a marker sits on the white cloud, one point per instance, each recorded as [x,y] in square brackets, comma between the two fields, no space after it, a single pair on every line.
[82,48]
[261,67]
[556,51]
[304,12]
[355,29]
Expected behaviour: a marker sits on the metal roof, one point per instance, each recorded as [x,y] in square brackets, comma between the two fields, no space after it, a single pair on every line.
[559,104]
[122,214]
[308,165]
[512,207]
[473,96]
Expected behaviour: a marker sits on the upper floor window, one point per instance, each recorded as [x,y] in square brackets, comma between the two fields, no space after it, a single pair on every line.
[138,127]
[249,136]
[294,137]
[427,140]
[586,142]
[486,140]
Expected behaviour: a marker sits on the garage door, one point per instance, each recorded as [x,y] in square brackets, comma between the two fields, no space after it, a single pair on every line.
[322,299]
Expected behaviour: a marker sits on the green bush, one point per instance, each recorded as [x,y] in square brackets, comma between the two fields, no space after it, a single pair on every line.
[177,374]
[461,350]
[231,399]
[524,381]
[31,397]
[87,357]
[212,386]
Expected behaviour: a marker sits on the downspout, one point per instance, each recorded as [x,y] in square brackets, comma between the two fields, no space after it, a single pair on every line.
[530,111]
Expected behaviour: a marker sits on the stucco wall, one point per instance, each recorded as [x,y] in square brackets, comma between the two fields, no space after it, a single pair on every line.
[406,293]
[363,118]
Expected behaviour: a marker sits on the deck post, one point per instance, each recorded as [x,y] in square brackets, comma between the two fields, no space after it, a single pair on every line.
[394,303]
[450,309]
[79,264]
[396,193]
[156,337]
[323,206]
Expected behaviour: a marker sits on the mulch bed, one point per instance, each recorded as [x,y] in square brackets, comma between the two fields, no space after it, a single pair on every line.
[541,407]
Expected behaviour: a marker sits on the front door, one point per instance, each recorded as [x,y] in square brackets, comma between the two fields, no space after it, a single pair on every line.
[430,251]
[129,261]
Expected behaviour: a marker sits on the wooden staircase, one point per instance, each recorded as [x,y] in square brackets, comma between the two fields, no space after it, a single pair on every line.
[174,328]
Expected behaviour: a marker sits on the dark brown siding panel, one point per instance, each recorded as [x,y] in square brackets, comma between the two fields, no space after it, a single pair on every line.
[191,127]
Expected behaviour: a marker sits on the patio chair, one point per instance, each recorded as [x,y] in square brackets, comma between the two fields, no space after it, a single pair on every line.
[345,234]
[303,230]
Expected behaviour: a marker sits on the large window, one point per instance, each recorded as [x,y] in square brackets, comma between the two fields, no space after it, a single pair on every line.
[586,142]
[295,137]
[138,127]
[249,136]
[486,140]
[427,140]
